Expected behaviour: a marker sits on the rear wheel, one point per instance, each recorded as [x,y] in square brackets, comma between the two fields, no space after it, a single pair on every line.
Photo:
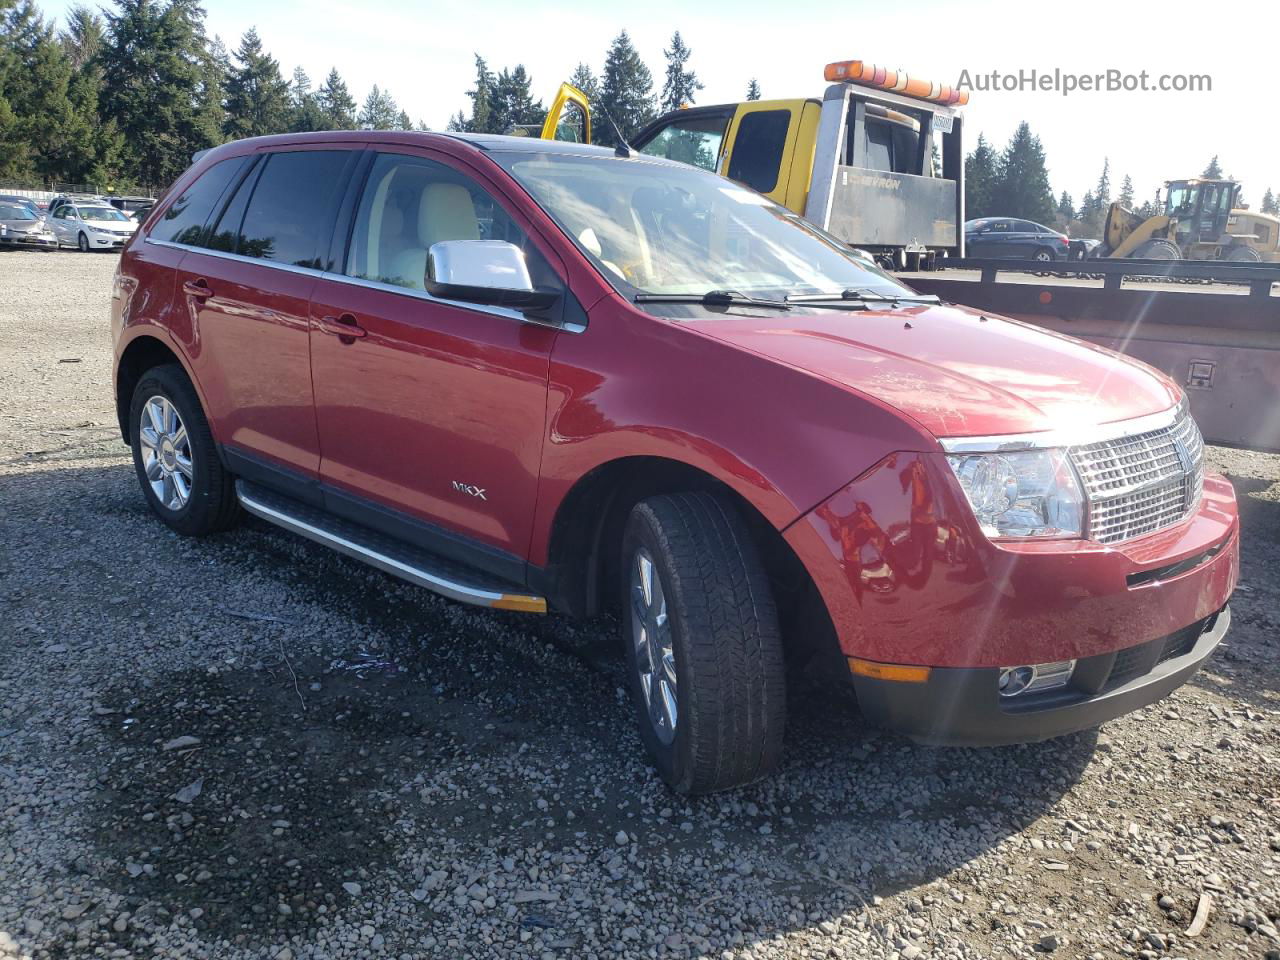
[83,243]
[1243,254]
[1044,255]
[174,455]
[704,649]
[1157,250]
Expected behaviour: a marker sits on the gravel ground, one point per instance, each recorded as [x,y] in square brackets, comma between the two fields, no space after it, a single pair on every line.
[249,747]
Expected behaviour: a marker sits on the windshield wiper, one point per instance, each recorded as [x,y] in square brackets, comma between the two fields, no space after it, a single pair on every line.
[859,294]
[713,298]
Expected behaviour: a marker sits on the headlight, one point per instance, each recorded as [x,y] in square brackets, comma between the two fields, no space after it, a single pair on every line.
[1028,493]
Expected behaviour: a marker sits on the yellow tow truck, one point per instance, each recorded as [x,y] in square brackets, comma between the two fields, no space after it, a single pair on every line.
[859,162]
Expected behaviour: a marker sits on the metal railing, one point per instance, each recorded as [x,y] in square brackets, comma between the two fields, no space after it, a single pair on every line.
[1258,277]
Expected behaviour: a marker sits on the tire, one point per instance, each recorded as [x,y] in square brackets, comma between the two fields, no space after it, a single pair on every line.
[83,243]
[1157,250]
[210,503]
[1243,254]
[1044,255]
[721,628]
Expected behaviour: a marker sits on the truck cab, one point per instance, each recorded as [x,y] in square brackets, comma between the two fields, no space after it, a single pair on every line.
[863,162]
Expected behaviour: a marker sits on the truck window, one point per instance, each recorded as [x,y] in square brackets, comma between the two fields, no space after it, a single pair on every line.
[757,149]
[695,140]
[879,155]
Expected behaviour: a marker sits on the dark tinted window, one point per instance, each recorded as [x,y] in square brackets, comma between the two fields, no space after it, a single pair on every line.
[1026,226]
[226,231]
[757,149]
[291,205]
[184,221]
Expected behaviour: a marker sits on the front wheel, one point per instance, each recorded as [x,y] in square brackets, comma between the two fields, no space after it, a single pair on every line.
[175,457]
[704,649]
[83,243]
[1157,250]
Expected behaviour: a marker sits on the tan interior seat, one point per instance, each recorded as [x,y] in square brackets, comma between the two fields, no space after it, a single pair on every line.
[445,212]
[591,243]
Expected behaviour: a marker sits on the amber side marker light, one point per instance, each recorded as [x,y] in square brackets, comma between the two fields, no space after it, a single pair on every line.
[888,671]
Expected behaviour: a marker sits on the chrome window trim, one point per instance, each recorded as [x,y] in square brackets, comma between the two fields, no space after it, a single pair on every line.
[505,313]
[1066,437]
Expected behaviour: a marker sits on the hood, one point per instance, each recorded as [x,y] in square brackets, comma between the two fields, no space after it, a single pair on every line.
[958,372]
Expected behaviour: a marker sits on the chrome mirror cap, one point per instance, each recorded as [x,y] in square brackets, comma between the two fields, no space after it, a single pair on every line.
[493,264]
[491,272]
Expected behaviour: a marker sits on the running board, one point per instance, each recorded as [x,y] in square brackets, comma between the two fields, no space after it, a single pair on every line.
[445,577]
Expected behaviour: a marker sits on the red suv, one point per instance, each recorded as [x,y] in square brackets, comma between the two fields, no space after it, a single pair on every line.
[533,376]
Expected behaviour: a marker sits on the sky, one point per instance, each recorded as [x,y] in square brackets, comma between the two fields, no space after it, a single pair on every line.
[422,52]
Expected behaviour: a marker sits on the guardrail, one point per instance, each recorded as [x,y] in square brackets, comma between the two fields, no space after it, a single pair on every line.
[1258,277]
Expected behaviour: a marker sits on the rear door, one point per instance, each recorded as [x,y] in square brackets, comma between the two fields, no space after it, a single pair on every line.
[246,285]
[431,414]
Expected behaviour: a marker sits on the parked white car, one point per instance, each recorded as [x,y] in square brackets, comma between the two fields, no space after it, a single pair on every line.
[90,226]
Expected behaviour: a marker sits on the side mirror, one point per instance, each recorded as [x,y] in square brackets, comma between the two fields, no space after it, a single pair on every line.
[492,272]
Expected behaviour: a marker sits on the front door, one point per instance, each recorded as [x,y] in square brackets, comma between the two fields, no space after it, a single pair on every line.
[569,118]
[431,408]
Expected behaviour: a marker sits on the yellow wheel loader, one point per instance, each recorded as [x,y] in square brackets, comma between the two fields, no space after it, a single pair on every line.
[1200,222]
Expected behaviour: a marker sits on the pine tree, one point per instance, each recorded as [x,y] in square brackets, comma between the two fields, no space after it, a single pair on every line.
[586,81]
[1066,209]
[981,173]
[511,103]
[1214,170]
[380,111]
[753,90]
[1022,189]
[257,95]
[153,61]
[481,96]
[681,84]
[626,92]
[1102,192]
[336,103]
[1269,203]
[1126,193]
[83,36]
[304,104]
[54,134]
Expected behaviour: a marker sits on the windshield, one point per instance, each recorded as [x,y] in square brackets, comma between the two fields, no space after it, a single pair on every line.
[10,211]
[659,228]
[102,213]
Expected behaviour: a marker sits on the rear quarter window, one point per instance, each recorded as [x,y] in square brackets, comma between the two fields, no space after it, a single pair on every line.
[184,220]
[757,149]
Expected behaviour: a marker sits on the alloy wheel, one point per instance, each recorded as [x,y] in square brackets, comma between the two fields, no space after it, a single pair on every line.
[654,646]
[166,453]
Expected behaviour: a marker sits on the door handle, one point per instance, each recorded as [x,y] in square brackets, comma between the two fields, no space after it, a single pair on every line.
[198,289]
[343,327]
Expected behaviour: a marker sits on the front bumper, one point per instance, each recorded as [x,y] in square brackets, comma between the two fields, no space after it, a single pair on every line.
[28,240]
[963,707]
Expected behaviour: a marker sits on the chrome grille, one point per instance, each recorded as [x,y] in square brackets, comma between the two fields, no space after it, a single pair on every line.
[1142,483]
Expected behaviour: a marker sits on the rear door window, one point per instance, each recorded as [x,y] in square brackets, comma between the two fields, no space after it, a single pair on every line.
[184,221]
[757,149]
[289,211]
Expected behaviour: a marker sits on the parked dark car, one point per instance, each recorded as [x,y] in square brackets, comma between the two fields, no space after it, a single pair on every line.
[1007,237]
[535,375]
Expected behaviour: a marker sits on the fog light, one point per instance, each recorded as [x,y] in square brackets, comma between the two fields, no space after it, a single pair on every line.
[1035,677]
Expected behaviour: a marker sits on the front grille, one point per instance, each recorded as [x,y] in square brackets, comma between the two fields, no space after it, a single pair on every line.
[1142,483]
[1129,663]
